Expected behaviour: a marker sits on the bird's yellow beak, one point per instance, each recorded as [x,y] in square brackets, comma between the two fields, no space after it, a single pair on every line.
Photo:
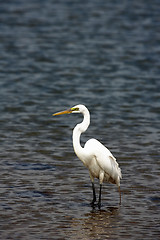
[63,112]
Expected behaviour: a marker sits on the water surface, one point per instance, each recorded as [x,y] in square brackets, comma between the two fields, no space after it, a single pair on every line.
[55,54]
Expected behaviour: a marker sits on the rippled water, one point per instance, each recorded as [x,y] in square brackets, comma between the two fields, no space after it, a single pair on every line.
[55,54]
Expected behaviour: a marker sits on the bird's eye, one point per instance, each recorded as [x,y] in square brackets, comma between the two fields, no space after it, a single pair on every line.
[75,109]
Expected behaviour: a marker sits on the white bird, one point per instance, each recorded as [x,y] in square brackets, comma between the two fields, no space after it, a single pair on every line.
[95,156]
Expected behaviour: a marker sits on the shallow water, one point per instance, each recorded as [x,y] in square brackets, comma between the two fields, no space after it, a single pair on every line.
[55,54]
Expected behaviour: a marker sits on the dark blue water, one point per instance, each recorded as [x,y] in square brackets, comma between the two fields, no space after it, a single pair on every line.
[53,55]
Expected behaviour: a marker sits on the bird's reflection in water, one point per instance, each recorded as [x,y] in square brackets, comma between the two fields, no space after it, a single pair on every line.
[98,224]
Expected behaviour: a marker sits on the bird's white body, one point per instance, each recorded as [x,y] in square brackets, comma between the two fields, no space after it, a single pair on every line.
[95,156]
[102,164]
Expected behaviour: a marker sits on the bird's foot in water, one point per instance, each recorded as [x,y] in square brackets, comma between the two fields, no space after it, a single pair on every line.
[99,205]
[94,205]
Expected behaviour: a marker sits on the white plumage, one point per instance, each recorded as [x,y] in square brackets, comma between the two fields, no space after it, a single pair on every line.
[95,156]
[102,161]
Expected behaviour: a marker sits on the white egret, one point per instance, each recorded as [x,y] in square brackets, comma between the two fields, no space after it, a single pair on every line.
[95,156]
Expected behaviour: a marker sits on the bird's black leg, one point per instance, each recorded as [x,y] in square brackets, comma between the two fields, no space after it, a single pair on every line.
[94,194]
[99,201]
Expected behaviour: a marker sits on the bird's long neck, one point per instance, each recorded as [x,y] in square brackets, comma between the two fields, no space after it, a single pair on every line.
[80,128]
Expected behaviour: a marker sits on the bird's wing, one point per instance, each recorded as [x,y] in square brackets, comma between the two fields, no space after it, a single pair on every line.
[106,161]
[115,165]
